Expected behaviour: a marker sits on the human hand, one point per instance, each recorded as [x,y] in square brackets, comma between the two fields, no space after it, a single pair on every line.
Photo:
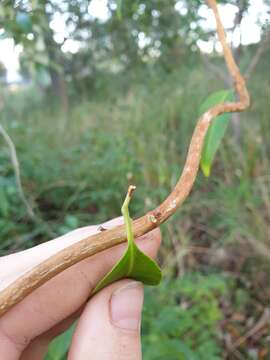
[108,324]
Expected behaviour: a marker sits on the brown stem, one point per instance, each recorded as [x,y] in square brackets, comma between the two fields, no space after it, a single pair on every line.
[41,273]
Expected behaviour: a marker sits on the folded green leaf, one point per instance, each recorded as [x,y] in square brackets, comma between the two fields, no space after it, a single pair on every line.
[216,130]
[134,263]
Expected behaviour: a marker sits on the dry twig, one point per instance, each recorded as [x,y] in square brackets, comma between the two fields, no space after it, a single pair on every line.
[16,167]
[41,273]
[264,321]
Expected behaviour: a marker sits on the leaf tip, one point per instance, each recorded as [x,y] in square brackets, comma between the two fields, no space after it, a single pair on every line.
[131,190]
[206,169]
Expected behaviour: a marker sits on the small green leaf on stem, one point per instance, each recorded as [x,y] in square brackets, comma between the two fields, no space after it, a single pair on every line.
[134,263]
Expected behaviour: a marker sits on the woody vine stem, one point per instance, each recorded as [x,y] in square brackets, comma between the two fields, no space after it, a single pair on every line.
[94,244]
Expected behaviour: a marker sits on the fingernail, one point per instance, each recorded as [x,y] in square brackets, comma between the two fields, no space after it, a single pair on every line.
[126,306]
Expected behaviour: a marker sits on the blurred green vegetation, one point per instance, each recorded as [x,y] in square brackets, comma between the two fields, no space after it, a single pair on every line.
[76,171]
[181,318]
[129,119]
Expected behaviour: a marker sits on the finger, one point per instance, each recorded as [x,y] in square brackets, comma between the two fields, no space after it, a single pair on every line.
[38,348]
[64,294]
[14,265]
[109,327]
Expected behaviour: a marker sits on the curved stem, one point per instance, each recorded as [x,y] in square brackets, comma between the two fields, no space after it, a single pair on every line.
[128,224]
[41,273]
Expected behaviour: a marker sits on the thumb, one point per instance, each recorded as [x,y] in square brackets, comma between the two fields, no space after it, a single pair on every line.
[109,327]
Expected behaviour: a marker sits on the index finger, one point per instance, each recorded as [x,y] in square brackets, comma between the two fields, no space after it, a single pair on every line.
[66,292]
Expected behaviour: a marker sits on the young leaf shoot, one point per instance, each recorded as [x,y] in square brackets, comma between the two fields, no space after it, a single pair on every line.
[134,263]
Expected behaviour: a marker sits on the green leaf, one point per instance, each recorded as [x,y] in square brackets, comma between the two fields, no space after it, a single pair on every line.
[24,21]
[60,345]
[216,130]
[134,263]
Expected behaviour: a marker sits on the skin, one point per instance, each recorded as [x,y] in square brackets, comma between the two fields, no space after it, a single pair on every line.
[108,324]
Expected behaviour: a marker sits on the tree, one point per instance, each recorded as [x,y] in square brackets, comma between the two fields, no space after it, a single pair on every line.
[28,24]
